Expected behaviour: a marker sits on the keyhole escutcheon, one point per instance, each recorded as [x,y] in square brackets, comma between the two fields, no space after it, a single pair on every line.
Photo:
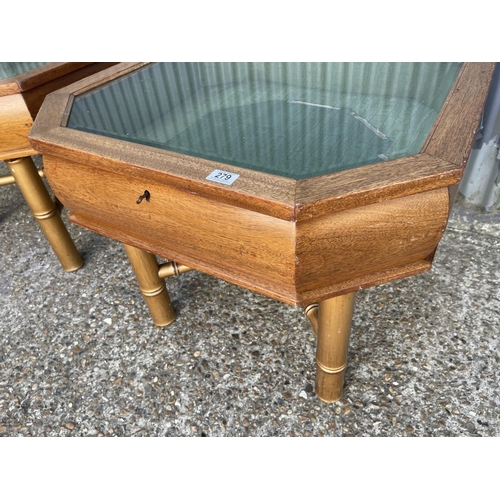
[144,196]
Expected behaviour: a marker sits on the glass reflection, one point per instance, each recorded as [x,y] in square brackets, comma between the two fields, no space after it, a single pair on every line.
[296,120]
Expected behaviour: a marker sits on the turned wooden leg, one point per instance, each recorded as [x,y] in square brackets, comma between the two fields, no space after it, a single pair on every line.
[153,287]
[44,209]
[334,327]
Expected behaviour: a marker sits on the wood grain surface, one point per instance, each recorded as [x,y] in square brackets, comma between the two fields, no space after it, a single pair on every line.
[454,131]
[373,183]
[377,237]
[15,124]
[242,246]
[287,260]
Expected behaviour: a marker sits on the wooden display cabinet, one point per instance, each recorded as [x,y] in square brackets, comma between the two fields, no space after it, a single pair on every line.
[305,183]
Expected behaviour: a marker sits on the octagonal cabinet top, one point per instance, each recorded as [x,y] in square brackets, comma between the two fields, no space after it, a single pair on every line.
[291,140]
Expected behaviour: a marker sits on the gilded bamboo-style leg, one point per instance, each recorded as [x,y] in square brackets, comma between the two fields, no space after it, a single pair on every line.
[44,209]
[153,287]
[334,326]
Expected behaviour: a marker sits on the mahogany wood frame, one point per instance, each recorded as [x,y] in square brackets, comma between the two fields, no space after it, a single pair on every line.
[300,242]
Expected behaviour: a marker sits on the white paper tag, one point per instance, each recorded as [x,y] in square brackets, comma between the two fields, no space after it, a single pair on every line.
[222,177]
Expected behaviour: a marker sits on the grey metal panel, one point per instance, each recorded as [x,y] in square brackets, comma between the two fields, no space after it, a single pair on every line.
[480,186]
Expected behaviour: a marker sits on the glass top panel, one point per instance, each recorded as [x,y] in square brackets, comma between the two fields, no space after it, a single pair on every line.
[295,120]
[11,69]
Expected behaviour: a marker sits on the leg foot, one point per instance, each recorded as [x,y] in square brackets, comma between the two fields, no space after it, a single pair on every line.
[152,286]
[44,209]
[334,327]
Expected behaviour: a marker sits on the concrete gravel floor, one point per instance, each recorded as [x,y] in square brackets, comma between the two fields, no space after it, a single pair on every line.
[79,355]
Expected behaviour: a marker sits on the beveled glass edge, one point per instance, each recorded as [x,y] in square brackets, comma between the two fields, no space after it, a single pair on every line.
[131,68]
[112,73]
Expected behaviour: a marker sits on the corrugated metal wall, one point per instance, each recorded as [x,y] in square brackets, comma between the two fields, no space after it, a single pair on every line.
[480,186]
